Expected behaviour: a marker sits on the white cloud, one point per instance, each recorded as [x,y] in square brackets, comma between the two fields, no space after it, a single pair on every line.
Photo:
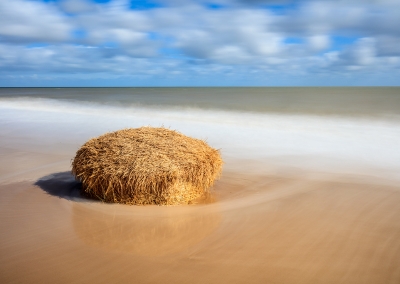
[319,42]
[25,21]
[230,55]
[365,51]
[244,34]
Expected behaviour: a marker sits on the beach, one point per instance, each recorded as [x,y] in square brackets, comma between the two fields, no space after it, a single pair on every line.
[309,191]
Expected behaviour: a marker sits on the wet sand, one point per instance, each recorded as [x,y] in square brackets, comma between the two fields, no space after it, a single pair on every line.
[264,226]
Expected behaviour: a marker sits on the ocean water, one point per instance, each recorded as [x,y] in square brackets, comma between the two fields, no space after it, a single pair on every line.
[342,130]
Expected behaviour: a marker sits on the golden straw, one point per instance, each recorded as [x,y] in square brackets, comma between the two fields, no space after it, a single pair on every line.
[146,165]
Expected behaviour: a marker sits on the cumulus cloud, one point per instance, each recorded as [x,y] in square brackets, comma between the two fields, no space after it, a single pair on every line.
[30,21]
[192,37]
[357,56]
[226,35]
[319,42]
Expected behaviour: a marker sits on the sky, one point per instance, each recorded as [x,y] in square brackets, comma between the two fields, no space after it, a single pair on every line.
[66,43]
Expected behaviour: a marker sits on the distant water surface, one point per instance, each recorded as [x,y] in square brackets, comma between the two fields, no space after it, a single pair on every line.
[342,101]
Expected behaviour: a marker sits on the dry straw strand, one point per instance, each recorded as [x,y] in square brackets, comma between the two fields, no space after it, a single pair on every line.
[146,165]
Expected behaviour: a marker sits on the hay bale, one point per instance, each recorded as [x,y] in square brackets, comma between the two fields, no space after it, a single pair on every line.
[146,166]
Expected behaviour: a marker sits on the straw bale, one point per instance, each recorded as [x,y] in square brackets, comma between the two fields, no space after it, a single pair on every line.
[146,165]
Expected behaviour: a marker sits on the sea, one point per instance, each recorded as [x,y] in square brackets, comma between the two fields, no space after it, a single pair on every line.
[345,130]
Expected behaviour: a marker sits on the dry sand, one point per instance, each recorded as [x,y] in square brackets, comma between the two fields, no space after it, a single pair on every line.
[261,227]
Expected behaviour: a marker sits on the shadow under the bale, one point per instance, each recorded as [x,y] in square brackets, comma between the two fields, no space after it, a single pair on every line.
[62,185]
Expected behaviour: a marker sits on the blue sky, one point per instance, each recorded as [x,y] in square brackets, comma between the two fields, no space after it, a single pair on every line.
[199,43]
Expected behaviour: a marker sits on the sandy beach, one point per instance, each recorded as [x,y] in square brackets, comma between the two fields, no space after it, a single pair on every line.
[300,200]
[259,228]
